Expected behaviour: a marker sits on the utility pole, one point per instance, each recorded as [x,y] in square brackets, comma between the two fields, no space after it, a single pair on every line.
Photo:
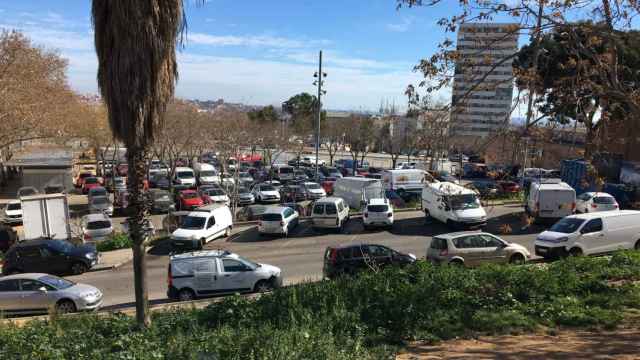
[319,82]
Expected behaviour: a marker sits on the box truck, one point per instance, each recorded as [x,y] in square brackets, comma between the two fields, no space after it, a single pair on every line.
[45,216]
[356,191]
[403,181]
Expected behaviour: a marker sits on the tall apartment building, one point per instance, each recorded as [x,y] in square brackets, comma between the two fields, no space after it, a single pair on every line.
[483,84]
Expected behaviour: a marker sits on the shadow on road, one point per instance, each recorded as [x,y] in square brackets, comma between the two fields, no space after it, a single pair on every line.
[161,247]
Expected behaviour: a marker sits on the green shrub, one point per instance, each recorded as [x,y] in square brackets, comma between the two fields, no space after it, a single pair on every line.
[366,317]
[117,241]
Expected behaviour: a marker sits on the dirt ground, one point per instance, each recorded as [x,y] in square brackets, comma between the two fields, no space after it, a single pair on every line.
[623,343]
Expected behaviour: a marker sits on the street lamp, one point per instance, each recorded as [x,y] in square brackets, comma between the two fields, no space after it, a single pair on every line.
[320,76]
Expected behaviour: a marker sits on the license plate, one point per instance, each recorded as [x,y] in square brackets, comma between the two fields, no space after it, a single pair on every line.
[542,250]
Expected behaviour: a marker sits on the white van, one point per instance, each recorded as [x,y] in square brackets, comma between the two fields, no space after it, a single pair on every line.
[330,213]
[206,174]
[403,181]
[201,226]
[551,199]
[593,233]
[184,177]
[356,191]
[454,205]
[283,173]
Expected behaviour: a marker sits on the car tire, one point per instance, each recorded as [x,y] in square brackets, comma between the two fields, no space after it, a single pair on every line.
[203,242]
[517,259]
[78,268]
[262,286]
[65,307]
[575,252]
[456,263]
[637,246]
[186,295]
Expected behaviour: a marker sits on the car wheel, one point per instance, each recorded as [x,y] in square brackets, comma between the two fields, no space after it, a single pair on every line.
[457,263]
[516,259]
[65,307]
[186,295]
[203,242]
[637,246]
[575,252]
[427,214]
[262,286]
[78,268]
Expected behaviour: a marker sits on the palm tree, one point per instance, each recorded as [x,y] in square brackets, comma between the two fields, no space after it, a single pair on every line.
[136,46]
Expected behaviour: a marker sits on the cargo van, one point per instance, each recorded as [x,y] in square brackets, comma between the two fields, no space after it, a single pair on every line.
[200,226]
[357,191]
[593,233]
[184,178]
[206,174]
[454,205]
[331,213]
[283,173]
[403,181]
[550,199]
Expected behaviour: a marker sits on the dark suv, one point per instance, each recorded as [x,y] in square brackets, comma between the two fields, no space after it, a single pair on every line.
[350,259]
[49,256]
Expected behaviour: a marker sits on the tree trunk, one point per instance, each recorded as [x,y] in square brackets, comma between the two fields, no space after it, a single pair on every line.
[137,211]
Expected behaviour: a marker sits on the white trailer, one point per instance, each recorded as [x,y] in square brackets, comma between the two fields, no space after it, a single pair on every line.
[356,191]
[404,181]
[45,216]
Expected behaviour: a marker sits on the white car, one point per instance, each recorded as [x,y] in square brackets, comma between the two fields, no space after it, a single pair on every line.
[12,213]
[100,204]
[278,220]
[185,177]
[311,161]
[96,227]
[313,190]
[227,180]
[266,193]
[206,273]
[595,201]
[214,195]
[378,212]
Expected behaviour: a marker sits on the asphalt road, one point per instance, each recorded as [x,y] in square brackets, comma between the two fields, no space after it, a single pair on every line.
[300,255]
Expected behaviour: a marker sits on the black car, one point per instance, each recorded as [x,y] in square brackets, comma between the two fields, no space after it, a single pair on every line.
[292,193]
[49,256]
[351,259]
[485,188]
[159,181]
[161,201]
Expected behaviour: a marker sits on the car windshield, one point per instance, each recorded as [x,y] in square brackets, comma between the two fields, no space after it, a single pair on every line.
[61,245]
[377,208]
[192,222]
[215,192]
[189,195]
[250,263]
[245,175]
[567,225]
[161,196]
[99,200]
[91,180]
[313,186]
[286,170]
[98,192]
[97,225]
[184,174]
[604,200]
[208,173]
[271,217]
[462,202]
[242,190]
[267,188]
[56,282]
[14,206]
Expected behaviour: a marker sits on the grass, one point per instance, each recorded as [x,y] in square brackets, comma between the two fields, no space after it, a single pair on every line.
[116,242]
[367,317]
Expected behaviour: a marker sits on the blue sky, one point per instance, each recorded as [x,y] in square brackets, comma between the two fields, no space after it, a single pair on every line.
[262,52]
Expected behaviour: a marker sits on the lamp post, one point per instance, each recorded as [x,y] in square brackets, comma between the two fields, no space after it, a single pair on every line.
[319,75]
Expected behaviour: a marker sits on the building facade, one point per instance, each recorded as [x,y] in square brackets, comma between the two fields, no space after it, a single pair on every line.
[483,84]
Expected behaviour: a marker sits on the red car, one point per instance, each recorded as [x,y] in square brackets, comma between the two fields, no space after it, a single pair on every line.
[327,185]
[189,199]
[509,187]
[80,179]
[90,183]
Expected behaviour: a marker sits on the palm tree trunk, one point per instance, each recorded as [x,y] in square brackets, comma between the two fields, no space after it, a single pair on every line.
[137,210]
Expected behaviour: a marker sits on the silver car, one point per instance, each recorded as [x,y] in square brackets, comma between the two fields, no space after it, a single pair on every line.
[471,248]
[100,204]
[96,227]
[34,293]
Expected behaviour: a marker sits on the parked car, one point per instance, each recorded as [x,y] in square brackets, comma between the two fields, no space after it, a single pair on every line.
[119,184]
[101,204]
[38,293]
[159,181]
[90,183]
[245,197]
[486,189]
[49,256]
[471,248]
[293,193]
[184,178]
[245,178]
[189,199]
[509,187]
[278,220]
[96,227]
[266,193]
[595,201]
[445,176]
[378,212]
[161,201]
[251,212]
[96,191]
[453,205]
[12,213]
[330,212]
[313,191]
[79,180]
[201,226]
[351,259]
[331,172]
[327,185]
[588,234]
[27,191]
[227,180]
[213,195]
[301,209]
[215,272]
[54,189]
[300,175]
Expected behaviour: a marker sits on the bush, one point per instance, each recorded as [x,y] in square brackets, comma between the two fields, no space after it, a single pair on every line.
[366,317]
[117,241]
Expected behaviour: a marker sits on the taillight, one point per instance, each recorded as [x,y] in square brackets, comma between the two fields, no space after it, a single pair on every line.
[615,206]
[87,237]
[169,278]
[333,255]
[594,206]
[573,206]
[444,252]
[366,214]
[389,214]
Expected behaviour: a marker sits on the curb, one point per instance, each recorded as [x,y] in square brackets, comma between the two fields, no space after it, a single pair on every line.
[105,267]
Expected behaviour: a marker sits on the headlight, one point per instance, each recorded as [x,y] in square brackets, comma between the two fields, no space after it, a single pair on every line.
[562,239]
[90,255]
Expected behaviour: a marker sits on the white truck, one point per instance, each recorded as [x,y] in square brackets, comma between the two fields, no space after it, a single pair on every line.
[206,174]
[45,216]
[403,181]
[454,205]
[357,191]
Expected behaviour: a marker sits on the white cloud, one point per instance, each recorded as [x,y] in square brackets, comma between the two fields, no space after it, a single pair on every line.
[250,41]
[402,26]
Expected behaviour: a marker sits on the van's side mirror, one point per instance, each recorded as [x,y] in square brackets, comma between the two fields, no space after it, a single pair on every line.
[42,289]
